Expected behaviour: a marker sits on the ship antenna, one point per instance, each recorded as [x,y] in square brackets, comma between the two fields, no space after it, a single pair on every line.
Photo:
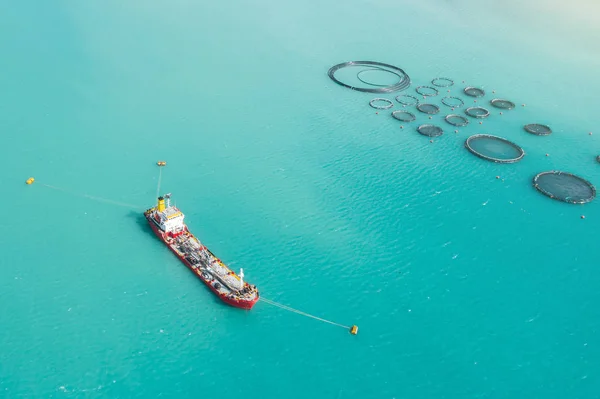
[168,197]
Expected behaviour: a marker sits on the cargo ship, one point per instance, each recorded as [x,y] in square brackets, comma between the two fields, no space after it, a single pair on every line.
[167,223]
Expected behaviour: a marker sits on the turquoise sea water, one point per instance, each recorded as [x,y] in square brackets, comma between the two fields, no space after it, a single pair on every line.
[462,285]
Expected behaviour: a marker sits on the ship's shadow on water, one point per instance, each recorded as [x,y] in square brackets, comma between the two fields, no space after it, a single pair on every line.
[141,221]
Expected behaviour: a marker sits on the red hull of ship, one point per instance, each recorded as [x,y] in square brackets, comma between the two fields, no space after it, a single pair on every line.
[235,303]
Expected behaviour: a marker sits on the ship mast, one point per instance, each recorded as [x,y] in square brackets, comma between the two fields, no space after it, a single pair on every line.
[168,198]
[241,278]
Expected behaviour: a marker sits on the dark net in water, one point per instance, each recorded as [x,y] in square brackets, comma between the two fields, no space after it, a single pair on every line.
[430,130]
[428,108]
[457,120]
[538,129]
[442,82]
[502,104]
[404,116]
[474,91]
[477,112]
[407,99]
[564,186]
[493,148]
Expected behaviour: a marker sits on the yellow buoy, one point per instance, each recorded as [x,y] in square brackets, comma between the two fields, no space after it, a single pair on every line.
[30,180]
[161,163]
[354,330]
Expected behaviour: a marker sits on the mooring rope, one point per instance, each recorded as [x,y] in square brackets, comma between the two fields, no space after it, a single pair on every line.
[284,307]
[159,178]
[92,197]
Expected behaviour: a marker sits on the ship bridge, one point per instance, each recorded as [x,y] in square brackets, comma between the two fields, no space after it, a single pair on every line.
[171,219]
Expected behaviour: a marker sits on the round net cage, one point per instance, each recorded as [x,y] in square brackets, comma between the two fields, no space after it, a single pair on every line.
[442,82]
[493,148]
[453,102]
[430,130]
[477,112]
[407,99]
[474,91]
[456,120]
[538,129]
[381,103]
[430,109]
[502,104]
[369,76]
[404,116]
[564,186]
[427,91]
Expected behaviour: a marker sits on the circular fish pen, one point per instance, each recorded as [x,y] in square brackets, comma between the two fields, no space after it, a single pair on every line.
[474,91]
[407,99]
[493,148]
[502,104]
[538,129]
[456,120]
[477,112]
[381,103]
[430,109]
[404,116]
[442,82]
[427,91]
[402,83]
[453,102]
[564,186]
[430,130]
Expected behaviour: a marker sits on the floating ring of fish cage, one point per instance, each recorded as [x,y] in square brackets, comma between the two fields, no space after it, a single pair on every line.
[442,82]
[502,104]
[430,130]
[494,148]
[430,109]
[427,91]
[388,103]
[456,120]
[403,99]
[564,186]
[453,102]
[403,84]
[477,112]
[376,69]
[404,116]
[538,129]
[474,91]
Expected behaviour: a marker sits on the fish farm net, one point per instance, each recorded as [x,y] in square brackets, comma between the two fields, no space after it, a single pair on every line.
[538,129]
[430,109]
[404,116]
[477,112]
[453,102]
[502,104]
[442,82]
[427,91]
[369,76]
[474,92]
[407,99]
[456,120]
[495,149]
[381,103]
[430,130]
[564,186]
